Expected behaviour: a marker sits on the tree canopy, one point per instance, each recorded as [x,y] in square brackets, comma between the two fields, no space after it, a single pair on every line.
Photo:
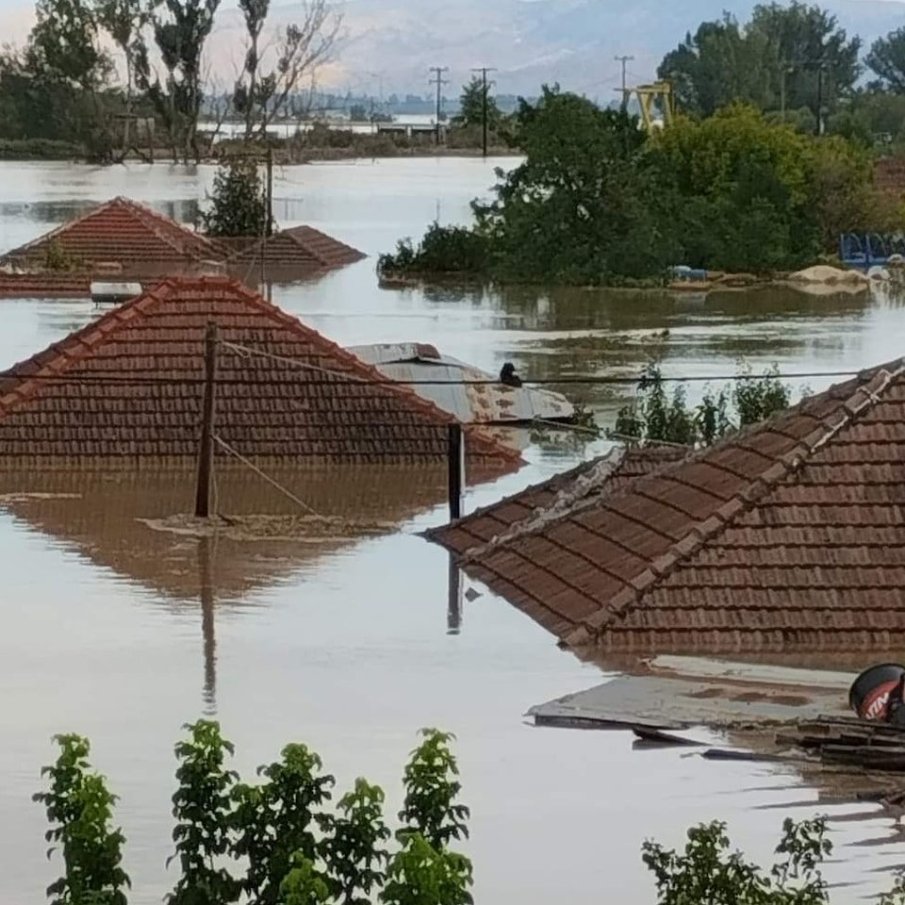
[786,57]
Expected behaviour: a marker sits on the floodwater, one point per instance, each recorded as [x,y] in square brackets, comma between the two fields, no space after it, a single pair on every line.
[119,632]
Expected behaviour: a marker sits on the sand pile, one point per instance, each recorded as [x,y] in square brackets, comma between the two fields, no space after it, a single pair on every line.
[829,276]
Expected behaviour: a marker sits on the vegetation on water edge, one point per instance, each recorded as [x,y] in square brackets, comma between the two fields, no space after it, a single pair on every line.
[655,416]
[277,841]
[599,202]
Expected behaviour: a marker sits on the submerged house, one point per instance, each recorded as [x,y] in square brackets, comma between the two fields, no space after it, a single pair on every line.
[471,395]
[118,236]
[296,253]
[122,239]
[127,390]
[788,536]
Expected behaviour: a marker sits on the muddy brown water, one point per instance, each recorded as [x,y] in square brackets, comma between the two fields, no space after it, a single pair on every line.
[123,633]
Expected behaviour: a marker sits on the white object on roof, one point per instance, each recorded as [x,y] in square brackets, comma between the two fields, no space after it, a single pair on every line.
[114,292]
[488,403]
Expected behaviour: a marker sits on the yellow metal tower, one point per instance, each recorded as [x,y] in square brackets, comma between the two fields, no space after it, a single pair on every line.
[657,93]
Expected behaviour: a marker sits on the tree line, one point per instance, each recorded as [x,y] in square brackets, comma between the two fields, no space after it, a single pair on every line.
[64,84]
[795,63]
[599,201]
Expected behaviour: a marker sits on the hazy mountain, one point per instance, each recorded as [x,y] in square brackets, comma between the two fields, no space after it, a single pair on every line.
[394,42]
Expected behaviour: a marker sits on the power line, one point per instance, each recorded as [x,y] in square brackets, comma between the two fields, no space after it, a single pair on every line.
[331,377]
[439,81]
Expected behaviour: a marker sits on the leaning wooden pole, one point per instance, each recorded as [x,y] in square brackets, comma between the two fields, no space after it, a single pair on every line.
[208,411]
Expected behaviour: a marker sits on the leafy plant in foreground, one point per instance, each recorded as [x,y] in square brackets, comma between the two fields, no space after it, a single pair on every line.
[276,820]
[354,844]
[431,790]
[80,809]
[202,807]
[420,874]
[707,871]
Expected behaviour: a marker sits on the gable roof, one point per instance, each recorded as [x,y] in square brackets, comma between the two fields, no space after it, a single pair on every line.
[299,247]
[788,535]
[129,387]
[120,231]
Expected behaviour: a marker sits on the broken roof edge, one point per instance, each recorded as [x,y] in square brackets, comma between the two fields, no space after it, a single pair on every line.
[437,534]
[58,357]
[849,408]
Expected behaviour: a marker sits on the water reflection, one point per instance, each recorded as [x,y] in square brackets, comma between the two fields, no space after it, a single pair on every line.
[454,590]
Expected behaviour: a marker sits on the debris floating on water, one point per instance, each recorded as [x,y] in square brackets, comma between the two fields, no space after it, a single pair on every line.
[306,528]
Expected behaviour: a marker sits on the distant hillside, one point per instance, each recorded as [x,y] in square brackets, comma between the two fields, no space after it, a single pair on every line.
[394,42]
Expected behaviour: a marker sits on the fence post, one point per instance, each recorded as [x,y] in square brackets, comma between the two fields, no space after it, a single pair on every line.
[206,447]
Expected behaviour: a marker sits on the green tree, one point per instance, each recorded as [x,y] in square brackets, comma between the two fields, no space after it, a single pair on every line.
[80,810]
[304,884]
[577,210]
[354,844]
[420,874]
[820,60]
[886,60]
[237,203]
[707,871]
[202,807]
[431,790]
[181,30]
[739,192]
[277,819]
[718,65]
[788,57]
[471,106]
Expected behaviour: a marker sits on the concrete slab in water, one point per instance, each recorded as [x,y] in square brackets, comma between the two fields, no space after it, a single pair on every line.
[676,703]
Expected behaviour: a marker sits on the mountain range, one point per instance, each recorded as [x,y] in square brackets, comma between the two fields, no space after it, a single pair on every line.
[389,45]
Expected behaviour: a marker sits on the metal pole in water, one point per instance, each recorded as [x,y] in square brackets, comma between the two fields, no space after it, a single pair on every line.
[456,462]
[206,447]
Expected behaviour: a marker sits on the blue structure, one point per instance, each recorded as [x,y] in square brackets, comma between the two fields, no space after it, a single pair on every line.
[866,250]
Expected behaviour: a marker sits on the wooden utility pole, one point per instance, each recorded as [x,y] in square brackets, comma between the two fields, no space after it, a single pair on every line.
[439,81]
[485,87]
[206,447]
[269,192]
[624,60]
[456,461]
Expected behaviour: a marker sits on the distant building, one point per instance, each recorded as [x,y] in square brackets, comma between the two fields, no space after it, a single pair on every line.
[788,536]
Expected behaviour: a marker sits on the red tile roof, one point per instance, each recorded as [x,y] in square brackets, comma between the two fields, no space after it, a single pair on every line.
[124,232]
[44,285]
[300,248]
[787,536]
[130,387]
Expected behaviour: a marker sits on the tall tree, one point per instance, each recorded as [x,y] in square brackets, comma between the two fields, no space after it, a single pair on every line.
[814,55]
[269,81]
[887,60]
[786,57]
[180,34]
[471,106]
[124,21]
[717,65]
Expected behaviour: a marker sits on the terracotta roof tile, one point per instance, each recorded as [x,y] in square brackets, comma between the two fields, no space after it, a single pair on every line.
[115,398]
[788,535]
[121,232]
[292,253]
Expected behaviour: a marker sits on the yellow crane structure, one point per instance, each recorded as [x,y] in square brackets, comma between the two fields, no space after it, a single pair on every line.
[656,95]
